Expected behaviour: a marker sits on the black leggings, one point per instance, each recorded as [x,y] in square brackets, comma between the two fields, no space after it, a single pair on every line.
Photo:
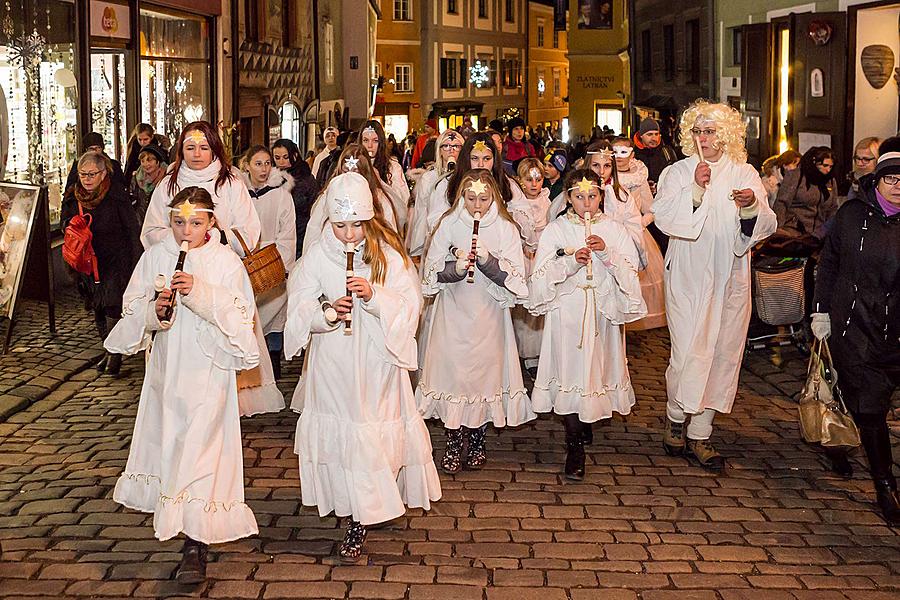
[876,441]
[105,319]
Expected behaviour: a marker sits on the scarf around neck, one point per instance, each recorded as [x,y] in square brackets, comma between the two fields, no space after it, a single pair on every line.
[91,200]
[188,177]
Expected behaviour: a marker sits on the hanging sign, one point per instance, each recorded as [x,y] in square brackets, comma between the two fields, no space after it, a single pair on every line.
[110,20]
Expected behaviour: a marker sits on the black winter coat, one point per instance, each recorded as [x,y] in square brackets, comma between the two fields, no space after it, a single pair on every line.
[858,285]
[116,241]
[304,194]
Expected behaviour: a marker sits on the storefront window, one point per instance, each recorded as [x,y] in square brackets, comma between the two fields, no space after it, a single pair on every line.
[37,67]
[290,122]
[175,77]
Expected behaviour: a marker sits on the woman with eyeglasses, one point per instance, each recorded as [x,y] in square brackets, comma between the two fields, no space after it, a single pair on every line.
[713,206]
[865,154]
[449,144]
[857,308]
[116,242]
[807,197]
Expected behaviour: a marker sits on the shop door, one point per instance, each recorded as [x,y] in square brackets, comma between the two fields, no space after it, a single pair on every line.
[108,105]
[757,66]
[819,78]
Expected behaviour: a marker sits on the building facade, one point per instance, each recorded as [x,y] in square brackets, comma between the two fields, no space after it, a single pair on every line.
[547,74]
[672,59]
[398,64]
[473,57]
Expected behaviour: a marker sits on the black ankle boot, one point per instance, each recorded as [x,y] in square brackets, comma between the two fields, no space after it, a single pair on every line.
[275,357]
[101,364]
[192,569]
[351,548]
[114,365]
[886,498]
[574,457]
[840,462]
[475,454]
[452,461]
[587,433]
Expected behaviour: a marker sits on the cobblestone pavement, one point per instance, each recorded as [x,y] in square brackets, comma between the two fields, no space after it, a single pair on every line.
[775,526]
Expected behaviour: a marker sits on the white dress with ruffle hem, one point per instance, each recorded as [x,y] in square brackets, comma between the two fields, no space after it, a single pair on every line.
[471,374]
[583,368]
[531,215]
[363,448]
[185,464]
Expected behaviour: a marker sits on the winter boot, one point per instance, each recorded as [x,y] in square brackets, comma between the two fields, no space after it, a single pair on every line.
[114,365]
[275,357]
[475,454]
[587,433]
[101,364]
[673,438]
[840,461]
[452,461]
[886,497]
[706,454]
[574,469]
[192,569]
[351,548]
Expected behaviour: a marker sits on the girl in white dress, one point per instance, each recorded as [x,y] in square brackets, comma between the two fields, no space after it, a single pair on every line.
[471,376]
[632,175]
[200,161]
[372,138]
[363,448]
[585,283]
[185,462]
[270,190]
[531,213]
[354,159]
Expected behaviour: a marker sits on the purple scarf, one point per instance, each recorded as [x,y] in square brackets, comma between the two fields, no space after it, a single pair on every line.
[889,209]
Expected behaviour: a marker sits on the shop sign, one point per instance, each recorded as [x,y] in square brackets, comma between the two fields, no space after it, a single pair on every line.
[110,20]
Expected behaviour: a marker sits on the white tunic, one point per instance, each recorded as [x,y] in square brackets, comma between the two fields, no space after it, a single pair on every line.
[531,215]
[279,226]
[398,194]
[363,448]
[583,368]
[707,280]
[185,464]
[471,374]
[418,229]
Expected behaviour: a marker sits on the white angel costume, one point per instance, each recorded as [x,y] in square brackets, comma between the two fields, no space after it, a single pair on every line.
[652,287]
[471,375]
[583,368]
[257,390]
[364,449]
[708,279]
[397,193]
[531,215]
[185,464]
[417,232]
[275,207]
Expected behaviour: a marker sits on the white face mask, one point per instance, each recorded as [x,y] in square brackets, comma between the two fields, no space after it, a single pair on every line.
[622,151]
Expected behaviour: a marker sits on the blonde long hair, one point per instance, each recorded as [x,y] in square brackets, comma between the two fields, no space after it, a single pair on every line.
[376,231]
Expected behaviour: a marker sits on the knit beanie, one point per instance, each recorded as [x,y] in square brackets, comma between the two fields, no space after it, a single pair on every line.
[648,125]
[92,139]
[557,160]
[515,122]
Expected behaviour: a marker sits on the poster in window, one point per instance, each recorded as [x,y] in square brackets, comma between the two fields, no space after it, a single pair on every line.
[560,8]
[595,14]
[18,205]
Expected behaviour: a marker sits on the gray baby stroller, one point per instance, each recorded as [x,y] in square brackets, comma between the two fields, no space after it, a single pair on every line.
[779,301]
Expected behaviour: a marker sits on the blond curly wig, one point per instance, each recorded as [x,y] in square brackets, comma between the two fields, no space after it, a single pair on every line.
[731,131]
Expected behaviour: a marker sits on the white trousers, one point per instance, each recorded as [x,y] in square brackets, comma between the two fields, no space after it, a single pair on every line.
[700,425]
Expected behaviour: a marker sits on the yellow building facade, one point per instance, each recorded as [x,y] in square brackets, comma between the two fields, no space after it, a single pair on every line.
[397,60]
[599,63]
[548,70]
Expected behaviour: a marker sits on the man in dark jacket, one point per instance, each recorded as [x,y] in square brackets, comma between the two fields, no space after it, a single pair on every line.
[650,150]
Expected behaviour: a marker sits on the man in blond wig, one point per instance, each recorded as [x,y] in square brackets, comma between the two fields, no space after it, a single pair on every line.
[714,207]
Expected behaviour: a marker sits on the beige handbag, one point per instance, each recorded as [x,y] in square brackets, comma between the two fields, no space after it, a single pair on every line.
[823,417]
[264,266]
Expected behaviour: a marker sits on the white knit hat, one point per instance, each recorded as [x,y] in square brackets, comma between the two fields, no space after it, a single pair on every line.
[348,198]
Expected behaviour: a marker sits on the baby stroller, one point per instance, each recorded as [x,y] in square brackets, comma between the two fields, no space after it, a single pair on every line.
[779,296]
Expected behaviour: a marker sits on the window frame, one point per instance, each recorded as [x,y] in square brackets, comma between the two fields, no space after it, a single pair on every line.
[540,33]
[484,11]
[398,9]
[452,7]
[398,67]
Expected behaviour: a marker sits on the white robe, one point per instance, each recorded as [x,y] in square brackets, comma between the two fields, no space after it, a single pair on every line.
[185,464]
[652,286]
[257,391]
[317,161]
[471,373]
[531,215]
[707,280]
[398,194]
[364,449]
[278,226]
[583,368]
[418,230]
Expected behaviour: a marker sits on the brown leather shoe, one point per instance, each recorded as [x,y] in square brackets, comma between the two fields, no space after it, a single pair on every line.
[706,454]
[673,438]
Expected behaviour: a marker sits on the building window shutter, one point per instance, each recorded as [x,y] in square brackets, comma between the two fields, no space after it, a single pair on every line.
[463,73]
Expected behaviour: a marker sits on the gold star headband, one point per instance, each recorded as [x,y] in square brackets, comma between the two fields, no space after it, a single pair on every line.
[476,186]
[196,136]
[479,146]
[604,153]
[584,185]
[187,209]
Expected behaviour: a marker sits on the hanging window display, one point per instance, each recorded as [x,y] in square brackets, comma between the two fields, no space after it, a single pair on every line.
[17,210]
[37,82]
[175,71]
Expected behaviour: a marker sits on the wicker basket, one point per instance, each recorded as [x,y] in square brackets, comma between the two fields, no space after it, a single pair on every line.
[779,290]
[264,266]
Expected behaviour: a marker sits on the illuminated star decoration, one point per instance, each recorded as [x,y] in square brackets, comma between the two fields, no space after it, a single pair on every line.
[350,163]
[345,208]
[535,174]
[584,186]
[476,186]
[196,136]
[27,50]
[187,209]
[479,146]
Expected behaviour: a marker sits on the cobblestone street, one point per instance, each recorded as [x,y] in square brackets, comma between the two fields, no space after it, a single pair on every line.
[776,526]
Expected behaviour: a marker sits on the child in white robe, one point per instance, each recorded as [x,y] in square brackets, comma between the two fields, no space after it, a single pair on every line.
[531,213]
[585,283]
[270,190]
[471,376]
[185,464]
[364,450]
